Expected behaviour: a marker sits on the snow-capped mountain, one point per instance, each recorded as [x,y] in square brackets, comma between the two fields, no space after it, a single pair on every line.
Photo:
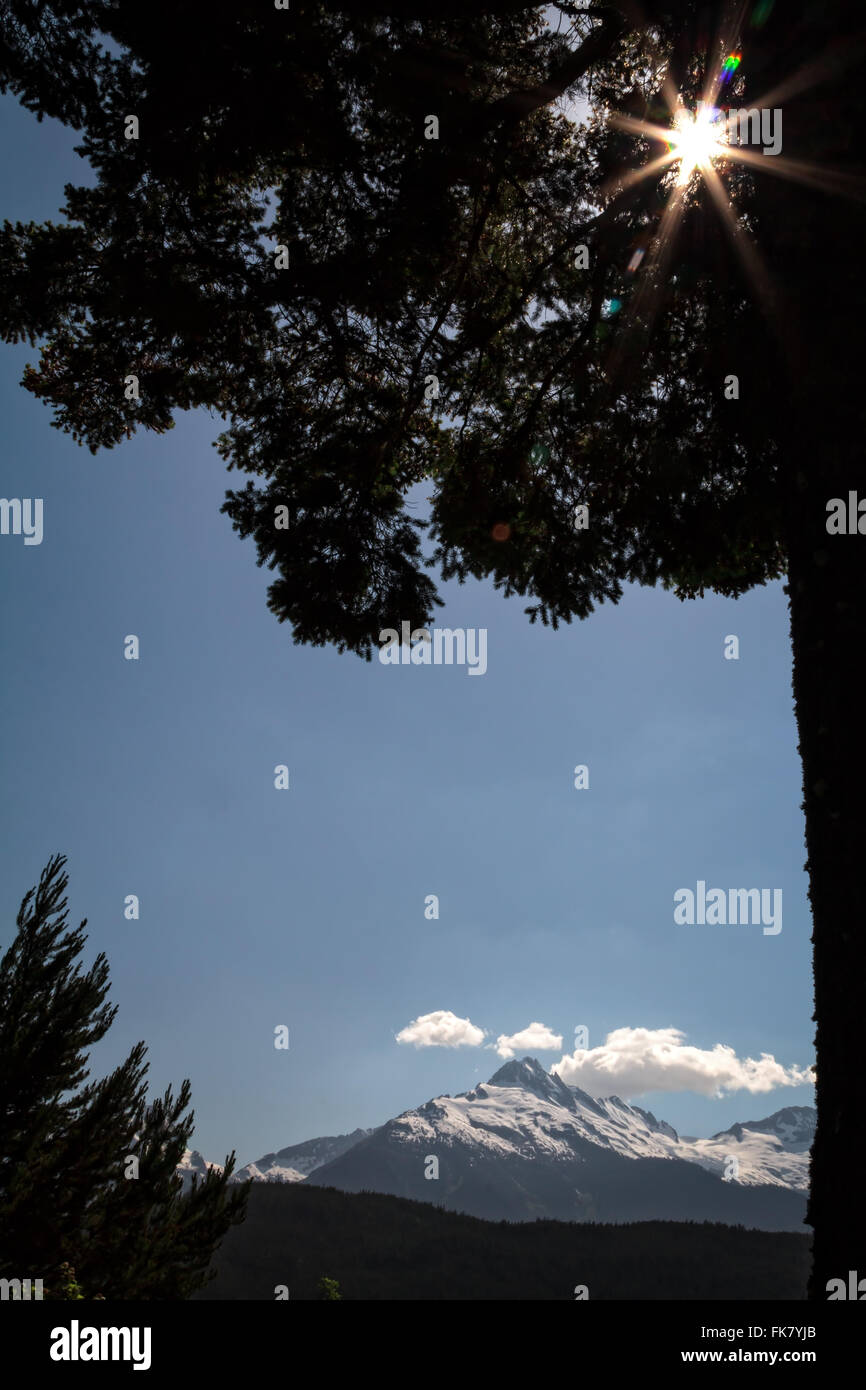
[292,1164]
[192,1164]
[298,1161]
[526,1145]
[774,1151]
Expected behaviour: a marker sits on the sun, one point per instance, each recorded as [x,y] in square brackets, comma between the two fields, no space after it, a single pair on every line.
[695,141]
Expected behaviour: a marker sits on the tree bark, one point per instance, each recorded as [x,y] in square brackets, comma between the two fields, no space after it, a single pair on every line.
[813,243]
[827,598]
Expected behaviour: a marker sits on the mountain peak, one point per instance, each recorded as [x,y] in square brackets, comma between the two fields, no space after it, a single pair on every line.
[793,1126]
[523,1071]
[527,1074]
[659,1126]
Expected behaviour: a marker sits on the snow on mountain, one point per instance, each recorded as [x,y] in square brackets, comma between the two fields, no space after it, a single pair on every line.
[774,1150]
[298,1161]
[794,1127]
[526,1111]
[191,1164]
[293,1164]
[526,1145]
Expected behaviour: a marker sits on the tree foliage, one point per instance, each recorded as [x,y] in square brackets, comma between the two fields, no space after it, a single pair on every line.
[389,1248]
[71,1210]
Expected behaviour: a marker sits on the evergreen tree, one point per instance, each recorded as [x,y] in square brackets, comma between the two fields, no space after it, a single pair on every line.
[72,1210]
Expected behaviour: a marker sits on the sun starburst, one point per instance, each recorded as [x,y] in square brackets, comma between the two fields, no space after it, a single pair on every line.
[701,147]
[696,141]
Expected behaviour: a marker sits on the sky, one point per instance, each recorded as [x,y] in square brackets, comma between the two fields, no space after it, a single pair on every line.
[305,907]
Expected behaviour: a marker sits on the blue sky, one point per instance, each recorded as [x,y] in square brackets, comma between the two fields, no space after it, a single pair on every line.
[306,907]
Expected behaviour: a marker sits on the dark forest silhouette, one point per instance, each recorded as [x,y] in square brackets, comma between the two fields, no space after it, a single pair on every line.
[380,1247]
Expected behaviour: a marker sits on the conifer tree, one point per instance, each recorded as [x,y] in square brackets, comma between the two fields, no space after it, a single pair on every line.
[90,1201]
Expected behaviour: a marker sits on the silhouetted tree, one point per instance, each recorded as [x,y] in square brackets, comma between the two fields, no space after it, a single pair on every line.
[74,1210]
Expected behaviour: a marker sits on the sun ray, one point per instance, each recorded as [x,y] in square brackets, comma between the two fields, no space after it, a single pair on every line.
[798,171]
[644,303]
[699,141]
[742,242]
[623,182]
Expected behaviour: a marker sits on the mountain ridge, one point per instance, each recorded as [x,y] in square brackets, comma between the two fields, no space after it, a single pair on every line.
[525,1144]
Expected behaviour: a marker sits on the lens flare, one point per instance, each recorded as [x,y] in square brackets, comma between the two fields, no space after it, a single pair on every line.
[698,142]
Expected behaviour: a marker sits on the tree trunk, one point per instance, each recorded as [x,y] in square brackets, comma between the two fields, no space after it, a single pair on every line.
[827,597]
[813,243]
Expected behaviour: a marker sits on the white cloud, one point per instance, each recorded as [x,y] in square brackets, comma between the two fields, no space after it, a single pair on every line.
[536,1038]
[633,1061]
[441,1029]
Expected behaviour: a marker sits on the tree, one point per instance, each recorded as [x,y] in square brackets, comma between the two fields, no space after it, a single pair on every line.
[322,367]
[329,1289]
[90,1201]
[563,384]
[809,57]
[67,1287]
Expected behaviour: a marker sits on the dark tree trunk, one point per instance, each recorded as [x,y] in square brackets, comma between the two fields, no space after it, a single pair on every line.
[827,596]
[813,243]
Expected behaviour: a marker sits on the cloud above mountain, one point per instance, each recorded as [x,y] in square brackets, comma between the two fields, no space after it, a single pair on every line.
[536,1038]
[634,1061]
[442,1028]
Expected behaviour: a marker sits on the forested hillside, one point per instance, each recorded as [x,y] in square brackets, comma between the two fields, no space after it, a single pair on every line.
[380,1247]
